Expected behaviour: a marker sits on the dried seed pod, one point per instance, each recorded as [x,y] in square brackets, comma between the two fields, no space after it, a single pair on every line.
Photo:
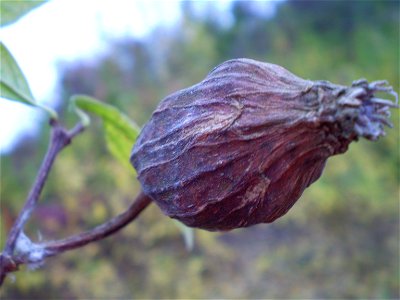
[240,147]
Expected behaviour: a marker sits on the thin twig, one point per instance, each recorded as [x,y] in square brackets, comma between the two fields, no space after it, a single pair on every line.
[10,261]
[60,138]
[100,232]
[53,248]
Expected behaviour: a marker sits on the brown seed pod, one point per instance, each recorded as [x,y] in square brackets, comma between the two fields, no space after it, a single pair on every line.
[240,147]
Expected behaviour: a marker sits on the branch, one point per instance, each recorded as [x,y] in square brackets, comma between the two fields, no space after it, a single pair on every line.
[60,138]
[100,232]
[19,249]
[36,253]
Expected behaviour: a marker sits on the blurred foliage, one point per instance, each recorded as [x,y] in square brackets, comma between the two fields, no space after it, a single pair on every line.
[341,240]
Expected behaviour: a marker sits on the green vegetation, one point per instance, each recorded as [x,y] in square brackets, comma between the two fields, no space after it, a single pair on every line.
[341,239]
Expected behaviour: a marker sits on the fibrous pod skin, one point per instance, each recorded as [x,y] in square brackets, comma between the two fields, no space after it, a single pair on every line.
[240,147]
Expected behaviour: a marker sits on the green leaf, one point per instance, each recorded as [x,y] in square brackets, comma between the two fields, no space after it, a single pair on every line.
[120,131]
[11,11]
[13,84]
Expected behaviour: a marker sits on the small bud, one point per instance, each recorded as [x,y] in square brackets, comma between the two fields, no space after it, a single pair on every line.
[240,147]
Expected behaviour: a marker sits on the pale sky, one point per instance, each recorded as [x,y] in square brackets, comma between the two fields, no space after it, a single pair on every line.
[66,30]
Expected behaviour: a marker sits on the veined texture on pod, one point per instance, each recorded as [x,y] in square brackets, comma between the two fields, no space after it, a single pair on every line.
[240,147]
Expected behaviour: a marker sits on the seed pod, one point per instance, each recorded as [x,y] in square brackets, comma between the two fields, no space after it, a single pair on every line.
[240,147]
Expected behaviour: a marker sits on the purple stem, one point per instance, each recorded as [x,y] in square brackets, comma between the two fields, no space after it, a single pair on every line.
[60,138]
[100,232]
[9,261]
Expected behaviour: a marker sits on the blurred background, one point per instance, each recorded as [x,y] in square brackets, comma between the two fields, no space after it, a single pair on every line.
[340,240]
